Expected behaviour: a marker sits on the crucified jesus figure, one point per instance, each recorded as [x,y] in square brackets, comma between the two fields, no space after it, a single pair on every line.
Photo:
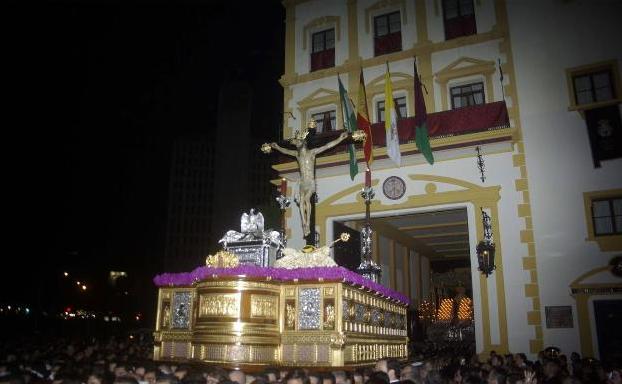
[306,166]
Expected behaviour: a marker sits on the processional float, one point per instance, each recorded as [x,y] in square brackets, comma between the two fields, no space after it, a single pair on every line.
[257,302]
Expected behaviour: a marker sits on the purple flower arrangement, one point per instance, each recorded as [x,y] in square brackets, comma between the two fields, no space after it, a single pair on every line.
[279,274]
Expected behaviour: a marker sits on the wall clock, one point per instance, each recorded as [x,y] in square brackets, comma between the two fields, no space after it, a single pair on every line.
[394,187]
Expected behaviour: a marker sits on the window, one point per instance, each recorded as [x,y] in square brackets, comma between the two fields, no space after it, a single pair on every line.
[323,49]
[400,108]
[607,216]
[467,95]
[593,87]
[387,33]
[603,215]
[459,18]
[325,121]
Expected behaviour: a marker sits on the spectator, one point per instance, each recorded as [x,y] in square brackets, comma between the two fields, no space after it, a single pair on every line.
[237,376]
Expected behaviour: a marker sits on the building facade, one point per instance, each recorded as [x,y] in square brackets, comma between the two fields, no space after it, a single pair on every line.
[189,235]
[553,195]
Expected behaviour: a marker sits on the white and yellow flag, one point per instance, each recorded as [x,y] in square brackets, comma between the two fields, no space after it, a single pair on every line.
[390,121]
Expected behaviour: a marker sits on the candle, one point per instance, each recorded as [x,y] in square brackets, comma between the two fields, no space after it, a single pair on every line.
[284,186]
[368,178]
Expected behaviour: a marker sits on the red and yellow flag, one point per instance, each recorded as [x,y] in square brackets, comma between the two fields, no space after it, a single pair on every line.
[362,119]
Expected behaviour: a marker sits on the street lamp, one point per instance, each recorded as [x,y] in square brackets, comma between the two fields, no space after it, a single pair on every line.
[486,248]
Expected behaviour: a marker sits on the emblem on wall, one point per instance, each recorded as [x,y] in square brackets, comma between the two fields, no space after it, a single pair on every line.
[394,187]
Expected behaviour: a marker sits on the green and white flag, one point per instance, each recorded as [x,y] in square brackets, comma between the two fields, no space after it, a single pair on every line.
[349,124]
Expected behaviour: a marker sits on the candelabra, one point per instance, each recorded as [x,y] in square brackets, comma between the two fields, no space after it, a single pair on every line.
[368,268]
[284,203]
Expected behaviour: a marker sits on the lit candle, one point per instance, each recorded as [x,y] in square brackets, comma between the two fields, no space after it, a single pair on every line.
[368,178]
[284,186]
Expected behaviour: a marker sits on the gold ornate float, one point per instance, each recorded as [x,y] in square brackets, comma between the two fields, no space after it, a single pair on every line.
[249,316]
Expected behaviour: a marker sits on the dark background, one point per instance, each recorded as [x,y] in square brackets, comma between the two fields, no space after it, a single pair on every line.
[95,93]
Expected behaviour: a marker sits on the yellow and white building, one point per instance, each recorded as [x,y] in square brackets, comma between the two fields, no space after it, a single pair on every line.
[541,190]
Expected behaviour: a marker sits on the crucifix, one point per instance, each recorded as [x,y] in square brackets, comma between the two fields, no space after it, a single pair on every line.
[306,156]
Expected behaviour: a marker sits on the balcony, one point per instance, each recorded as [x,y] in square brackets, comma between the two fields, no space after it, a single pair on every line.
[477,118]
[463,127]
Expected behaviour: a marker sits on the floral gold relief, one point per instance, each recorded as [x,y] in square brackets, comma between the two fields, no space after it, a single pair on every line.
[329,316]
[290,315]
[220,304]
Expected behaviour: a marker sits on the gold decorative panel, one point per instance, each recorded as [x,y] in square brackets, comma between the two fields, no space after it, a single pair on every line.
[219,304]
[290,314]
[244,321]
[264,306]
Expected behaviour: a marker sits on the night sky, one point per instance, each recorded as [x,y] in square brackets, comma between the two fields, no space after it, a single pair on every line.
[97,92]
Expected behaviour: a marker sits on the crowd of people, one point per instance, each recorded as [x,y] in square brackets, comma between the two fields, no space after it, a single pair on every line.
[128,361]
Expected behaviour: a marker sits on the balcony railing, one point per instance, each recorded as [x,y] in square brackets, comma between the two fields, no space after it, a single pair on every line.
[477,118]
[455,122]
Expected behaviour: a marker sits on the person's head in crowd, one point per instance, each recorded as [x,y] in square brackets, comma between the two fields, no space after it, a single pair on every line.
[283,373]
[262,378]
[575,357]
[237,376]
[551,368]
[4,370]
[614,376]
[381,366]
[194,378]
[125,380]
[297,376]
[378,377]
[139,371]
[497,361]
[393,370]
[216,375]
[473,379]
[357,377]
[497,375]
[96,378]
[272,374]
[434,377]
[407,373]
[520,360]
[120,370]
[150,375]
[572,380]
[328,378]
[181,372]
[167,379]
[340,377]
[453,374]
[314,378]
